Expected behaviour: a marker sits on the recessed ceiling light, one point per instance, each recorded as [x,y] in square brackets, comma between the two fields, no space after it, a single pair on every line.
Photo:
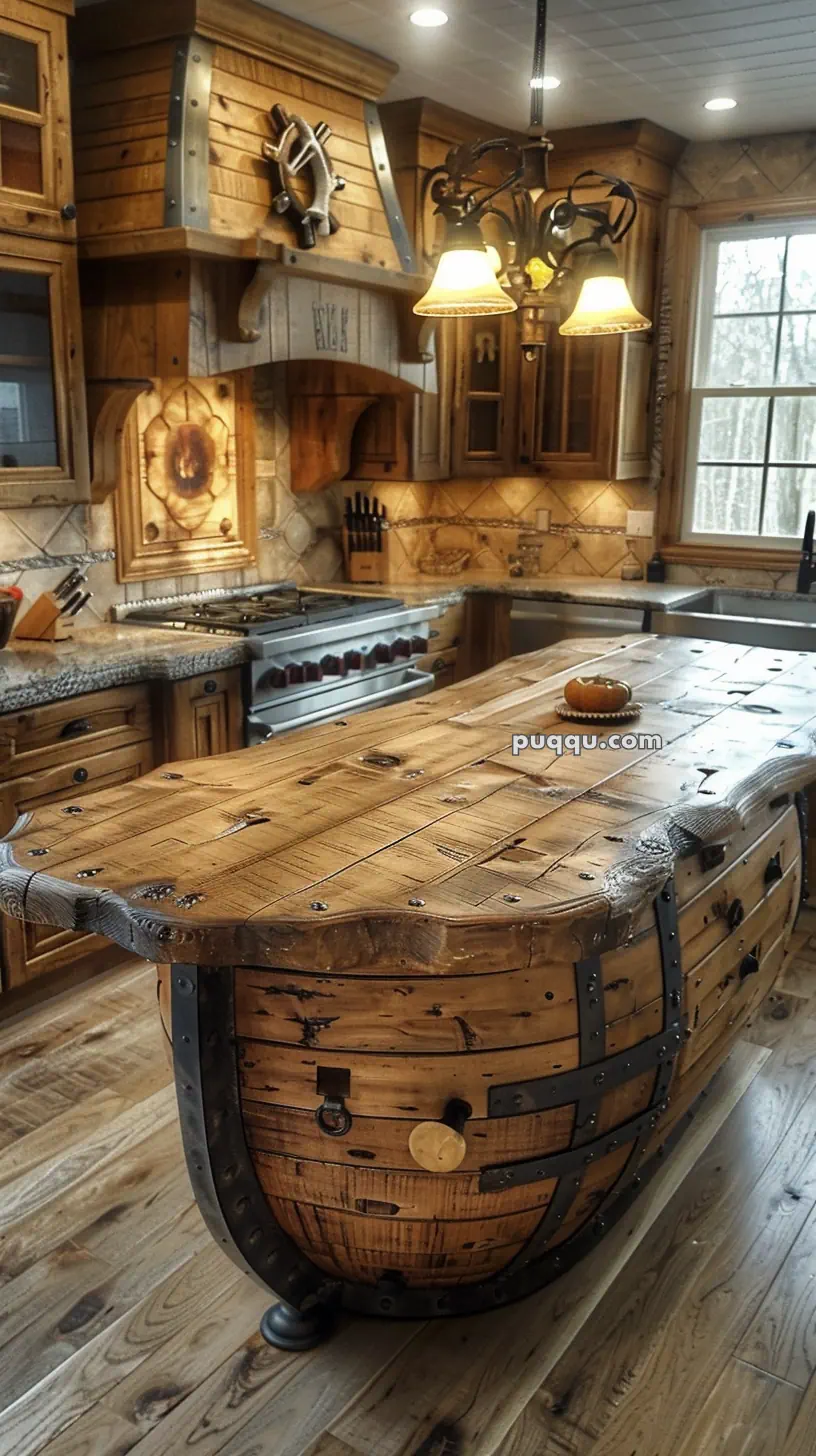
[429,18]
[720,103]
[545,83]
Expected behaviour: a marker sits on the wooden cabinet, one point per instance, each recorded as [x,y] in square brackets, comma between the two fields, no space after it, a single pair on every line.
[55,754]
[43,429]
[201,716]
[36,174]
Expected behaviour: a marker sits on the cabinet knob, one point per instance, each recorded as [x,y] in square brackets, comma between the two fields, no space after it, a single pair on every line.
[80,775]
[68,211]
[211,686]
[439,1147]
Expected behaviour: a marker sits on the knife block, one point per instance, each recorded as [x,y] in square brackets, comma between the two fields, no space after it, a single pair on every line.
[370,566]
[41,622]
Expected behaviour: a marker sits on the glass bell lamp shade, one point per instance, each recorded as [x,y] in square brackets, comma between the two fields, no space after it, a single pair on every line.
[465,283]
[604,307]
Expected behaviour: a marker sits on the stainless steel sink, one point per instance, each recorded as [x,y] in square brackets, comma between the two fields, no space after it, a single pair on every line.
[724,615]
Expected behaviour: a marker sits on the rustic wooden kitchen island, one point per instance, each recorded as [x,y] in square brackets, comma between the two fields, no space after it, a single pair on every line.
[438,1008]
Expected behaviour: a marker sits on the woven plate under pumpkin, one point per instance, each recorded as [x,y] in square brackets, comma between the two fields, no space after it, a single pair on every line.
[623,715]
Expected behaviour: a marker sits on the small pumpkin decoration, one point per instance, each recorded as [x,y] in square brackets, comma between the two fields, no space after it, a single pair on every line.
[597,694]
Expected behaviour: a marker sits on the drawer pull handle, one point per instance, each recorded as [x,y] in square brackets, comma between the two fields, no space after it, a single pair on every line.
[736,914]
[439,665]
[80,775]
[749,966]
[211,686]
[773,870]
[711,856]
[76,727]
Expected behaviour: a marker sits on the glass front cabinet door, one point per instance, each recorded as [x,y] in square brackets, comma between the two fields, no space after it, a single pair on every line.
[36,175]
[43,446]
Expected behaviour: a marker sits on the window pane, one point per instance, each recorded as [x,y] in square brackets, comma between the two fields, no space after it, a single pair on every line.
[485,359]
[483,427]
[18,73]
[733,429]
[583,355]
[800,289]
[749,275]
[742,352]
[20,157]
[789,497]
[794,430]
[797,352]
[727,500]
[28,431]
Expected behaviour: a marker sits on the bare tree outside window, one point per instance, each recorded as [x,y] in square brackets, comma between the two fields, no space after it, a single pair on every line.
[752,444]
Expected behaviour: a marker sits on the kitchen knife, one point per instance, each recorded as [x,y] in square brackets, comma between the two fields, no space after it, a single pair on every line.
[68,584]
[69,603]
[81,603]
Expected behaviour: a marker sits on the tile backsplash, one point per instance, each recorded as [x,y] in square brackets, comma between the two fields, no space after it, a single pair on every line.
[487,523]
[298,535]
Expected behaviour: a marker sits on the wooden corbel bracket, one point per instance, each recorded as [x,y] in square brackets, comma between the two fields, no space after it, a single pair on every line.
[252,300]
[321,430]
[109,410]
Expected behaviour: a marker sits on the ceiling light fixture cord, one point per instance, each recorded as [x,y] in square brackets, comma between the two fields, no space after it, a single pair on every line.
[539,61]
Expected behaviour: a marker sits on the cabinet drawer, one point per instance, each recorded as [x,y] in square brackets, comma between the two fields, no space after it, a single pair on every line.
[70,781]
[42,738]
[446,631]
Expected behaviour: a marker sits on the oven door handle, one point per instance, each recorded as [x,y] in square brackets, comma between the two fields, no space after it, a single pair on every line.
[416,686]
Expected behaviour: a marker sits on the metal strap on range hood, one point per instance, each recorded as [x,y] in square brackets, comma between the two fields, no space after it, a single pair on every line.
[388,192]
[187,166]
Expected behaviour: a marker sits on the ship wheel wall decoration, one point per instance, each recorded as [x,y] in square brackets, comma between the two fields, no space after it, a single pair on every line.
[298,150]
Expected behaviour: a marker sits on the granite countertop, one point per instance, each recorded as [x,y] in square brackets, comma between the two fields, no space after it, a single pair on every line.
[105,657]
[579,589]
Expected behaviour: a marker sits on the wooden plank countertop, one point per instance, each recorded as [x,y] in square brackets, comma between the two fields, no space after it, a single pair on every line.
[412,837]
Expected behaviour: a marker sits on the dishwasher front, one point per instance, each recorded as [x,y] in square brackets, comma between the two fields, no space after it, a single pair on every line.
[535,623]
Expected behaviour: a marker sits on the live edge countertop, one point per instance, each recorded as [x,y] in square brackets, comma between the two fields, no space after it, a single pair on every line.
[106,656]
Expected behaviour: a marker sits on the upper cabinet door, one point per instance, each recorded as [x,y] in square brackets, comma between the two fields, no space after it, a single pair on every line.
[36,179]
[43,430]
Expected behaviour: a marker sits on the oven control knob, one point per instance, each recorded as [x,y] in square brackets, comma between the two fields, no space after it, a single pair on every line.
[294,672]
[400,648]
[277,678]
[419,644]
[382,652]
[353,659]
[314,671]
[334,666]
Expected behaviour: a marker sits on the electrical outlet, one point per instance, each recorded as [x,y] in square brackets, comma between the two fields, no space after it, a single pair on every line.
[640,523]
[543,518]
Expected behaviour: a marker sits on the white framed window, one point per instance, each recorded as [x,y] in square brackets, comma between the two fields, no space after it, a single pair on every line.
[751,452]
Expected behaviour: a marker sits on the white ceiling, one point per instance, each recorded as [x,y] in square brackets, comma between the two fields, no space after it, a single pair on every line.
[661,59]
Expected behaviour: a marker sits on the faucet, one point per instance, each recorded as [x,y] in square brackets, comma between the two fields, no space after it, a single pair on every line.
[807,569]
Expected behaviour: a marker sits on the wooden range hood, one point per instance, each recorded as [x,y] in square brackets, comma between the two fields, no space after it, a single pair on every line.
[186,268]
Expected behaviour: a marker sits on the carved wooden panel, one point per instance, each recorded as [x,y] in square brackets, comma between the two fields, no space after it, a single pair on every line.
[185,501]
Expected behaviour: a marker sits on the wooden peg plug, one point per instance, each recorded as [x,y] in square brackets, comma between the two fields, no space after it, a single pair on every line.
[439,1147]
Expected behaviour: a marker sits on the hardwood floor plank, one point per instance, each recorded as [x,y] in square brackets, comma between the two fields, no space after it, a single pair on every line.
[748,1413]
[801,1438]
[79,1121]
[782,1336]
[480,1373]
[99,1211]
[32,1191]
[107,1295]
[260,1389]
[51,1406]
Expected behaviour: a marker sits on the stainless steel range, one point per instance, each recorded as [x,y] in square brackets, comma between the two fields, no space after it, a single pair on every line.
[315,655]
